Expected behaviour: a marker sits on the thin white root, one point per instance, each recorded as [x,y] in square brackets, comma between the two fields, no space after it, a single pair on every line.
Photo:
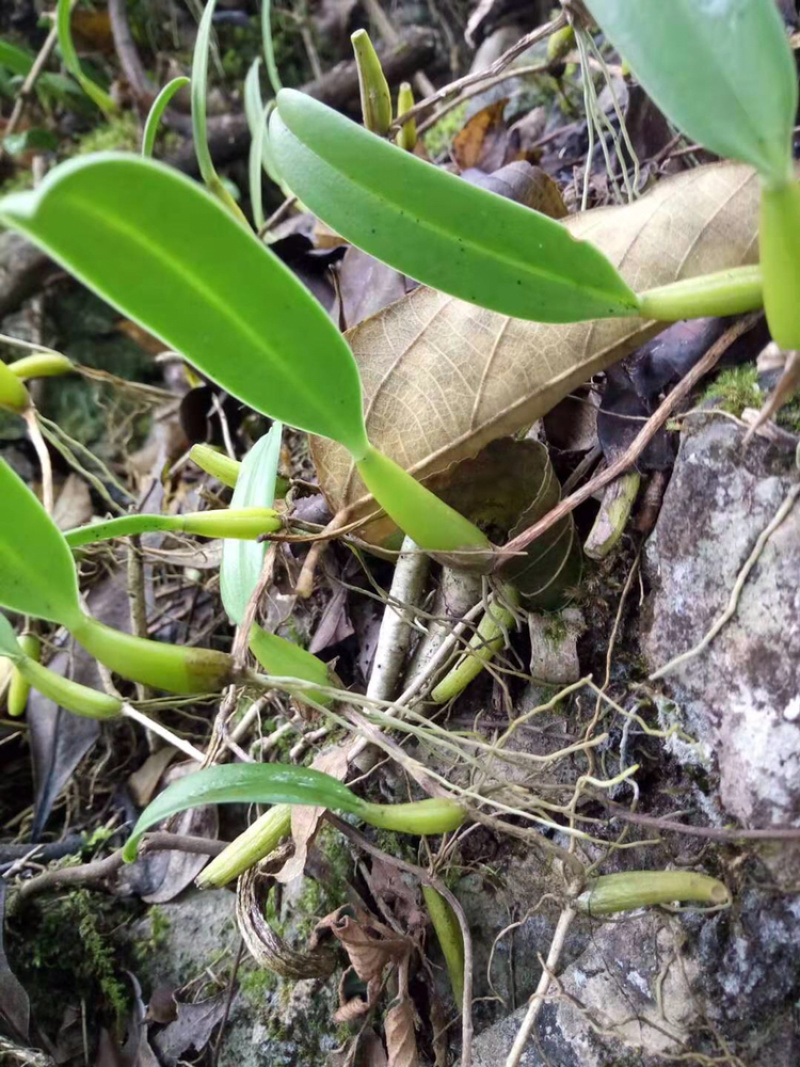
[43,455]
[537,1000]
[150,724]
[781,514]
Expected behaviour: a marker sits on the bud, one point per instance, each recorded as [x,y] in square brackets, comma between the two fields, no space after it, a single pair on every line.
[376,100]
[407,134]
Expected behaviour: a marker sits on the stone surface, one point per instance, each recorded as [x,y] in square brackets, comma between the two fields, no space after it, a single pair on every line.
[607,1008]
[741,695]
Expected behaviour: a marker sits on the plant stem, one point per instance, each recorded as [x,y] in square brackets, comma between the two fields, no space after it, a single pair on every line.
[436,815]
[779,243]
[486,640]
[245,524]
[257,841]
[170,667]
[638,889]
[448,933]
[728,292]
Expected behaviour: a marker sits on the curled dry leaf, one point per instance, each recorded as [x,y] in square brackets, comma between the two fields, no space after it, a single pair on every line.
[443,378]
[370,945]
[265,946]
[401,1040]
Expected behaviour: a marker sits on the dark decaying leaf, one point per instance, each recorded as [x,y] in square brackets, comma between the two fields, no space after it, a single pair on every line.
[635,386]
[191,1030]
[366,286]
[485,142]
[369,943]
[58,739]
[15,1009]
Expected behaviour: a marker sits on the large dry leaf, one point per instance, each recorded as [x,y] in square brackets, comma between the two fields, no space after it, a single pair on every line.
[443,378]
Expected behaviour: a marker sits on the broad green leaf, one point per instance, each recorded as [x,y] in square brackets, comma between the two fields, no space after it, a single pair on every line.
[499,374]
[255,488]
[37,574]
[172,259]
[250,783]
[17,60]
[722,70]
[9,646]
[160,104]
[97,95]
[436,227]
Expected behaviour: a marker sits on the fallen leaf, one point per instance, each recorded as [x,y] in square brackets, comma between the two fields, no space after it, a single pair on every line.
[74,504]
[370,945]
[143,783]
[305,820]
[15,1008]
[485,141]
[401,1040]
[192,1029]
[524,184]
[443,378]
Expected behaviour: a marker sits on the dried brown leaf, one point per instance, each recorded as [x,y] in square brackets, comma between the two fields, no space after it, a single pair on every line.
[305,820]
[443,378]
[401,1040]
[370,944]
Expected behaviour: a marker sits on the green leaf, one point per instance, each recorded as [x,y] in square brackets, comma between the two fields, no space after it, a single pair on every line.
[9,646]
[37,575]
[721,70]
[250,783]
[97,95]
[436,227]
[160,104]
[283,659]
[34,138]
[17,60]
[255,488]
[172,259]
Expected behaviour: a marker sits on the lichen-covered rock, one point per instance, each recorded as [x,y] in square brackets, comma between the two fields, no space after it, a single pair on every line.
[741,695]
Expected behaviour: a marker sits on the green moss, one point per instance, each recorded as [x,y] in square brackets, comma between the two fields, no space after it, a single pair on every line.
[439,137]
[736,389]
[64,953]
[122,133]
[144,948]
[256,986]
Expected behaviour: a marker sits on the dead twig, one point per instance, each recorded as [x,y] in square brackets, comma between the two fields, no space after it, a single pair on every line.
[637,446]
[99,872]
[710,833]
[508,57]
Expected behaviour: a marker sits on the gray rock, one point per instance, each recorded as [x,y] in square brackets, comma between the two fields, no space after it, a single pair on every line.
[741,695]
[607,1009]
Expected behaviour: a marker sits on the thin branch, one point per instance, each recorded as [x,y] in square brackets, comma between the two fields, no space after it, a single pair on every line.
[99,872]
[637,446]
[710,833]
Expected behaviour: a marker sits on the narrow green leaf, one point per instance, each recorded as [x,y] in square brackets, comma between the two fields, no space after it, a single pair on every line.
[257,114]
[250,783]
[17,60]
[255,488]
[722,70]
[285,660]
[436,227]
[9,646]
[200,95]
[172,259]
[160,105]
[97,95]
[37,575]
